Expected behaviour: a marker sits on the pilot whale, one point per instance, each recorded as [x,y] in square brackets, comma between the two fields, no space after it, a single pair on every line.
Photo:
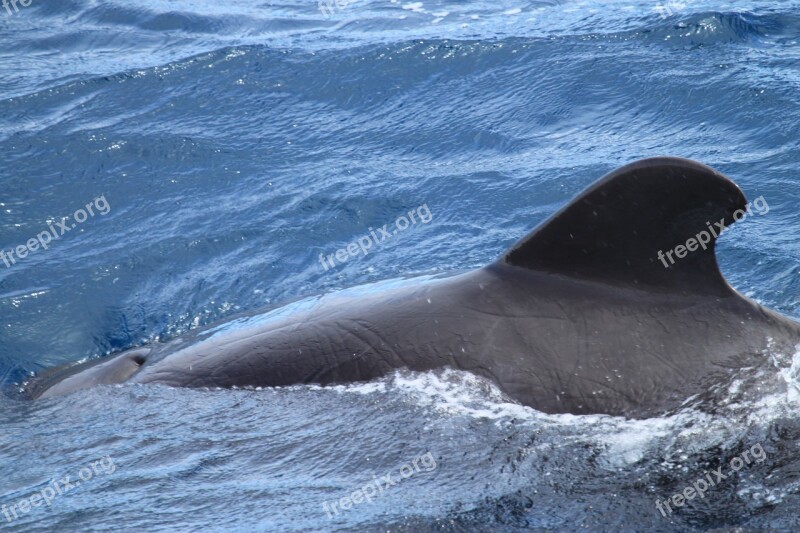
[583,315]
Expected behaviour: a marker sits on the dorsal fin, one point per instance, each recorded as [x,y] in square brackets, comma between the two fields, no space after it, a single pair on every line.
[613,231]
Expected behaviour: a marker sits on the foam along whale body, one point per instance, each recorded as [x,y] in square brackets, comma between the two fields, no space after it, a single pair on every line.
[580,316]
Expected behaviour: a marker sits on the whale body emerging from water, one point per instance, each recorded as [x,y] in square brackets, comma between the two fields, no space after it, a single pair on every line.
[583,315]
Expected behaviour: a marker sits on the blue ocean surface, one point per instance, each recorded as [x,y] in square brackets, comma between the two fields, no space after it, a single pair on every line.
[221,147]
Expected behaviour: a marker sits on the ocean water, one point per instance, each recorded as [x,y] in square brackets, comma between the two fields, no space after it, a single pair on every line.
[222,146]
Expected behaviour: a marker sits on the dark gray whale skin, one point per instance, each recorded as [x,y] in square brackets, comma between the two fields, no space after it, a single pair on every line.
[578,317]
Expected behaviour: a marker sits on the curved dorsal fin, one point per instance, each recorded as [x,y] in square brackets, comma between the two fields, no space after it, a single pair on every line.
[613,231]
